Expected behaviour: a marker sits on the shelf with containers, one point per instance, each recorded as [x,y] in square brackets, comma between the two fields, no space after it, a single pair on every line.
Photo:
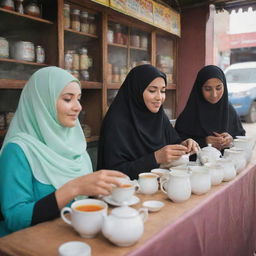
[128,47]
[23,49]
[82,57]
[103,54]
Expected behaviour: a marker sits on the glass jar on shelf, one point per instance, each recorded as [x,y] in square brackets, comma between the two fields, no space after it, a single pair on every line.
[92,24]
[118,37]
[135,40]
[40,54]
[19,6]
[33,9]
[84,22]
[75,19]
[144,41]
[76,61]
[84,59]
[8,4]
[4,48]
[66,13]
[115,74]
[110,36]
[68,59]
[85,75]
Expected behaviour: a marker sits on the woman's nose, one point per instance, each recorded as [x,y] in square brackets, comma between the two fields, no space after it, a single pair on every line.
[77,106]
[158,95]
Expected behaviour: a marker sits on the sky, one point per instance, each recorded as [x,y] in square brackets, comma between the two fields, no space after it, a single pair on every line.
[242,22]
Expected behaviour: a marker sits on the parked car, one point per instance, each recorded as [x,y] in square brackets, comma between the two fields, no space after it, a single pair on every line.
[241,82]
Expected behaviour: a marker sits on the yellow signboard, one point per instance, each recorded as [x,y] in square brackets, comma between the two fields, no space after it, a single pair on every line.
[148,11]
[104,2]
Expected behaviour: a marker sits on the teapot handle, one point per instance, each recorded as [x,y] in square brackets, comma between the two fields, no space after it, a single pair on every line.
[143,212]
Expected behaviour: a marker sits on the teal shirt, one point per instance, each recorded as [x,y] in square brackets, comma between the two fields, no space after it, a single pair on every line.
[19,190]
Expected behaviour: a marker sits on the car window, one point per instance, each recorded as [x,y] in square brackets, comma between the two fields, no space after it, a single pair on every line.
[245,75]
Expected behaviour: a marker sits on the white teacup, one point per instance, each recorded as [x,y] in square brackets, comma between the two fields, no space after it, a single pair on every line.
[124,193]
[74,248]
[148,183]
[86,216]
[160,172]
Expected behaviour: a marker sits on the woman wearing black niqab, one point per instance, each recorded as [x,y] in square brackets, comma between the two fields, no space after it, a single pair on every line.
[133,139]
[206,118]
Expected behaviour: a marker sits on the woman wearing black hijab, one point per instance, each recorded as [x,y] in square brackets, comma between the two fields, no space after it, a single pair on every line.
[208,117]
[136,135]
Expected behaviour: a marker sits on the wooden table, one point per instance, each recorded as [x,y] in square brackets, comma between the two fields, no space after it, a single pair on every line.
[219,223]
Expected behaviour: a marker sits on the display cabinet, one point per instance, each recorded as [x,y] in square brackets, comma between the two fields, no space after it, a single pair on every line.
[94,43]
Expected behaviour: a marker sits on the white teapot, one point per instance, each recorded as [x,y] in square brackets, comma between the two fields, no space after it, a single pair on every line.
[208,154]
[177,186]
[200,180]
[228,168]
[216,172]
[125,225]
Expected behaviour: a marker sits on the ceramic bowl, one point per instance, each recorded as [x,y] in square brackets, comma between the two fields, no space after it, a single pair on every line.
[153,205]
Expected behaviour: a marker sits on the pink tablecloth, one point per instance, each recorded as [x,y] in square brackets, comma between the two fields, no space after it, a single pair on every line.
[223,225]
[219,223]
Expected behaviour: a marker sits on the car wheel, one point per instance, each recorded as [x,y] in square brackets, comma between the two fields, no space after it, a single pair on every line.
[251,116]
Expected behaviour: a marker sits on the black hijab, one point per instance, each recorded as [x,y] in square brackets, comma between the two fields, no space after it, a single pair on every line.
[130,131]
[201,118]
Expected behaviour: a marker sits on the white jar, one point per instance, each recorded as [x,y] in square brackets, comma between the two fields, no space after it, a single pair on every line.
[24,50]
[4,48]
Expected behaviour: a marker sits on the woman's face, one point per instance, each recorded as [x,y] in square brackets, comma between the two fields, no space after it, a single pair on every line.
[213,90]
[154,94]
[68,105]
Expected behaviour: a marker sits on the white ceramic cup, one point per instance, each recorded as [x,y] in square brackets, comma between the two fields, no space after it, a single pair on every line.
[160,172]
[148,183]
[87,223]
[124,193]
[74,248]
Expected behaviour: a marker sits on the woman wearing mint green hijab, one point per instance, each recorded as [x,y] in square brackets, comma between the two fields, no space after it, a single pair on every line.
[43,162]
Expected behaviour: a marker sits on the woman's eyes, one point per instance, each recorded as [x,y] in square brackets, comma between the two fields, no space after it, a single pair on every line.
[68,100]
[153,91]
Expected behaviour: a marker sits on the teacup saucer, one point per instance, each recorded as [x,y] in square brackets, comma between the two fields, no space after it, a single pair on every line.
[109,200]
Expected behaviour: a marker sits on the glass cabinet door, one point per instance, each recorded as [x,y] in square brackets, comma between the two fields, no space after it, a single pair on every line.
[165,56]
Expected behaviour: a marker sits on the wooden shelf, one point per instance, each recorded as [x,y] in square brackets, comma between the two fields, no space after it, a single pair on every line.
[23,62]
[92,138]
[114,86]
[118,45]
[26,16]
[80,33]
[138,48]
[12,84]
[91,85]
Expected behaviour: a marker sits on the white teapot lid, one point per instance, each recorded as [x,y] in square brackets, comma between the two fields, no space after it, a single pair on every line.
[124,211]
[210,148]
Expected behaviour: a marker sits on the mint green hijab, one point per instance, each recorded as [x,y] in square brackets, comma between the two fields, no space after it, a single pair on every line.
[56,154]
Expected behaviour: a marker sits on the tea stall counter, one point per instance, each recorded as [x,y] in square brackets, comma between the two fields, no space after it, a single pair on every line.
[221,222]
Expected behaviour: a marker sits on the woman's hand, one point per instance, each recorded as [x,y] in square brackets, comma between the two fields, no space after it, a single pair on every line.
[93,184]
[192,146]
[169,153]
[97,183]
[215,141]
[227,139]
